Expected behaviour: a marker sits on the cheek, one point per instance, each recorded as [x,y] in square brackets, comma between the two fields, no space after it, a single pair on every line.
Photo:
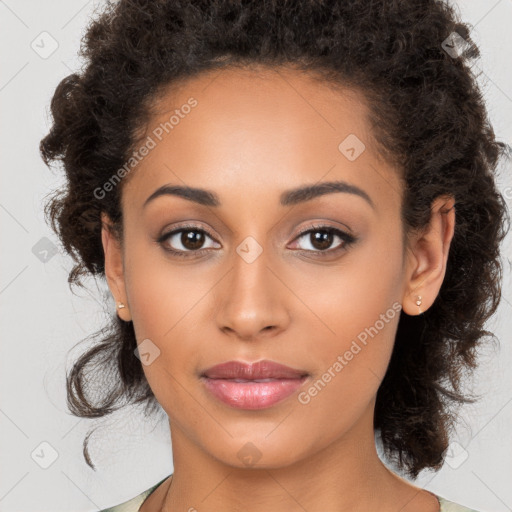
[342,391]
[166,301]
[350,298]
[359,307]
[160,292]
[352,363]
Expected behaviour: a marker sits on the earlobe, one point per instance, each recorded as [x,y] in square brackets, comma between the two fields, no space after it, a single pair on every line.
[427,257]
[114,268]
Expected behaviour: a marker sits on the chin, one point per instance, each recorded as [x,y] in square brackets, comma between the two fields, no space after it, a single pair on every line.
[258,452]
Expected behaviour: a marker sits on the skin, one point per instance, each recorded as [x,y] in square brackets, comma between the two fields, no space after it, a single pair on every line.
[251,137]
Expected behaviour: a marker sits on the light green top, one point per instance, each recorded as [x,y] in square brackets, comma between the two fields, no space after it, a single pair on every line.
[135,503]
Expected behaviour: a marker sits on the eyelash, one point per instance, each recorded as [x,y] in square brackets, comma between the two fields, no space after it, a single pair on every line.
[347,239]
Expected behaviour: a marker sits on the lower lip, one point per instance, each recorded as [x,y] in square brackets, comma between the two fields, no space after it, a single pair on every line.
[252,395]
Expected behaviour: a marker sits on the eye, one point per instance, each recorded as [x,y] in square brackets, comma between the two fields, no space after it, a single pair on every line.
[186,239]
[319,239]
[189,240]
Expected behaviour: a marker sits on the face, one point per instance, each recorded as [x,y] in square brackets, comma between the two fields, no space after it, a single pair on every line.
[254,271]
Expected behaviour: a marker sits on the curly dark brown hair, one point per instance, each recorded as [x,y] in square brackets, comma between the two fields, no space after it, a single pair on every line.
[428,117]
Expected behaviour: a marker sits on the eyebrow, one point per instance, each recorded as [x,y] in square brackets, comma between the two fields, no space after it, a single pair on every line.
[287,198]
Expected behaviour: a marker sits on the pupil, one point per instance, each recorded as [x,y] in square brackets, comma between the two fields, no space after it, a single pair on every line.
[321,239]
[192,239]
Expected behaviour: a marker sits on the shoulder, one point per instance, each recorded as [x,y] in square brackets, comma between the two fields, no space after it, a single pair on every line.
[450,506]
[134,504]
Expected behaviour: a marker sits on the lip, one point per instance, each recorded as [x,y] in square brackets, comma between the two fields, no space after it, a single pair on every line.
[263,369]
[252,386]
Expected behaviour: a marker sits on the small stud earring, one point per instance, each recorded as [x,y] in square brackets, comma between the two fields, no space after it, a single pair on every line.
[418,303]
[121,305]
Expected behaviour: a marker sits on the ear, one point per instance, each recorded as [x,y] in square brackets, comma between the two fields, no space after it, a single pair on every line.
[114,268]
[427,254]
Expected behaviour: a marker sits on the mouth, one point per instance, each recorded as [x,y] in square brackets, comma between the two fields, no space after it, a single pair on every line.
[252,386]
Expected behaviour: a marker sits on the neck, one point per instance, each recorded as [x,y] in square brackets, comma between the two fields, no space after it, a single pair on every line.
[346,475]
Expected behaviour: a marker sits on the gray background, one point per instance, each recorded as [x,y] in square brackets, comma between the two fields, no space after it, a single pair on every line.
[41,321]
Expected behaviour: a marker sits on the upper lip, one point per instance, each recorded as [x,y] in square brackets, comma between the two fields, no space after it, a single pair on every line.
[264,369]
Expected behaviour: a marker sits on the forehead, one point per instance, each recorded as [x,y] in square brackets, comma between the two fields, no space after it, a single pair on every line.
[258,129]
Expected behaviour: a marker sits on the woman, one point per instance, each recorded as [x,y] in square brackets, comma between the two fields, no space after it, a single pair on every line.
[294,206]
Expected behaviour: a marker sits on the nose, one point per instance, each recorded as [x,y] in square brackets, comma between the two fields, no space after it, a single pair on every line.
[254,303]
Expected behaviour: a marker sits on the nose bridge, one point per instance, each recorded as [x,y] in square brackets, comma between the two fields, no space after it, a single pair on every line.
[252,299]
